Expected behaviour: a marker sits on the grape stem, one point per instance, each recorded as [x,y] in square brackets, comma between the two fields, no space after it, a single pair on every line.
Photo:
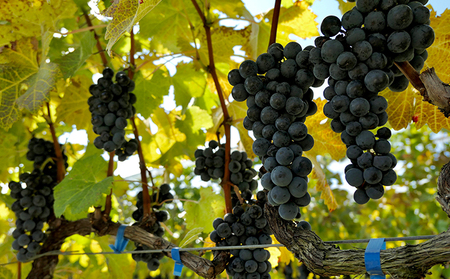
[59,158]
[275,17]
[226,184]
[101,51]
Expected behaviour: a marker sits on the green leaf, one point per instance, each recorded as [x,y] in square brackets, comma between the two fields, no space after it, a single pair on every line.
[39,91]
[5,273]
[188,83]
[119,266]
[82,187]
[71,62]
[190,236]
[203,213]
[150,92]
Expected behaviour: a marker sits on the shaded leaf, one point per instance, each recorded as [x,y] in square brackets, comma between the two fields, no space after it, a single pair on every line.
[16,67]
[188,83]
[82,187]
[71,62]
[203,213]
[119,266]
[39,91]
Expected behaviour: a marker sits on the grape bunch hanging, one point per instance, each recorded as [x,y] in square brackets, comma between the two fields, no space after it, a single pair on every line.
[163,195]
[209,164]
[277,90]
[34,203]
[360,63]
[111,104]
[247,225]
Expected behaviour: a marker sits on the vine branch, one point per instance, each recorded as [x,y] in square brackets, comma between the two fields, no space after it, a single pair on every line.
[275,17]
[110,172]
[59,158]
[226,184]
[97,38]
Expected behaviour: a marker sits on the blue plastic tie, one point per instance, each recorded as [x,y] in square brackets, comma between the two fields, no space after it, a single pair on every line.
[176,257]
[372,258]
[121,242]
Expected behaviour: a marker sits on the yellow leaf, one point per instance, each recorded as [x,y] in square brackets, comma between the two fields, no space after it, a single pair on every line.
[73,109]
[322,185]
[429,114]
[27,18]
[285,255]
[275,253]
[125,14]
[325,140]
[439,52]
[345,6]
[400,108]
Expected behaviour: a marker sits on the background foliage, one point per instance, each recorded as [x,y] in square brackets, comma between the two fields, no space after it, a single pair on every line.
[49,55]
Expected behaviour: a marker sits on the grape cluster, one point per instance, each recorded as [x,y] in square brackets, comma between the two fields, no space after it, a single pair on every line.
[360,63]
[34,203]
[279,98]
[152,259]
[209,164]
[111,104]
[245,226]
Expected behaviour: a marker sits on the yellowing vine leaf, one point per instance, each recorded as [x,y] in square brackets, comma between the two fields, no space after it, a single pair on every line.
[125,14]
[439,52]
[297,19]
[74,109]
[325,140]
[345,6]
[16,67]
[400,107]
[322,185]
[26,19]
[429,114]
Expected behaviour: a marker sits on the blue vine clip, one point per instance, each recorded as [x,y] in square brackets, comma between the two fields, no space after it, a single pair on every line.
[176,257]
[372,258]
[121,242]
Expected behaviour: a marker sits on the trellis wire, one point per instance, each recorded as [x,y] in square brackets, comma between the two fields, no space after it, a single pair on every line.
[350,241]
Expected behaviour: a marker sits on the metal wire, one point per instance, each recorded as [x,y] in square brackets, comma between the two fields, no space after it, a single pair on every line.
[350,241]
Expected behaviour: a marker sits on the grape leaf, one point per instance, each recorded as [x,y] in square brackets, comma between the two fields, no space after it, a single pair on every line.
[16,67]
[297,19]
[83,186]
[5,273]
[325,140]
[125,14]
[71,62]
[439,52]
[400,107]
[191,235]
[430,115]
[203,213]
[188,83]
[39,91]
[119,266]
[322,185]
[148,100]
[285,255]
[345,5]
[26,19]
[173,15]
[74,109]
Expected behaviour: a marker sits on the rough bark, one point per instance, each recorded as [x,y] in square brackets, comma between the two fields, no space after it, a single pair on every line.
[438,93]
[410,261]
[44,267]
[443,195]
